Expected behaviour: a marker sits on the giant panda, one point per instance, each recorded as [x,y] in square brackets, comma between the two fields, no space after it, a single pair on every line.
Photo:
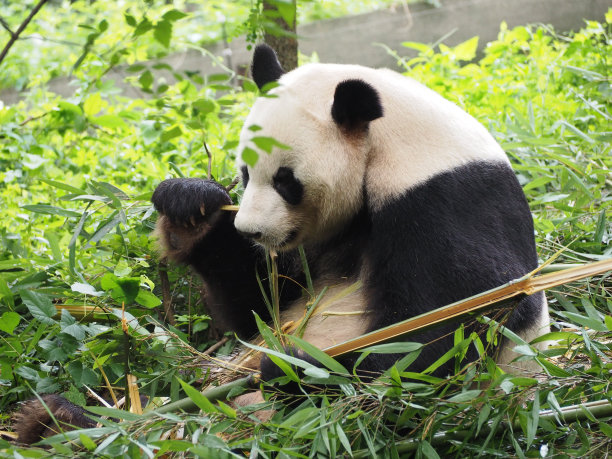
[402,202]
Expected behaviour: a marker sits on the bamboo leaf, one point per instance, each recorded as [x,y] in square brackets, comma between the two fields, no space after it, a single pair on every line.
[267,334]
[427,450]
[249,156]
[533,420]
[343,439]
[107,226]
[465,396]
[605,428]
[114,413]
[62,186]
[287,358]
[196,396]
[51,210]
[318,354]
[300,417]
[600,229]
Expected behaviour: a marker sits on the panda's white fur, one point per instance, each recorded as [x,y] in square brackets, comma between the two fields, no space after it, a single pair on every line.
[319,156]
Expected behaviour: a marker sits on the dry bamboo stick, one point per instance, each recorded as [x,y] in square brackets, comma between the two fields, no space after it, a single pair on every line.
[479,303]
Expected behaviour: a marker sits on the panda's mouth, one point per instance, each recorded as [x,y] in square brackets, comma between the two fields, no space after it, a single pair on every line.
[273,244]
[291,238]
[288,243]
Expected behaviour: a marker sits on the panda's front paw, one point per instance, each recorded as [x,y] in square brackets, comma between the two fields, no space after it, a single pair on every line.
[189,201]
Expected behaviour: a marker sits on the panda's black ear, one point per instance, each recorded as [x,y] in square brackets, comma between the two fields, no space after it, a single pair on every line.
[356,103]
[265,67]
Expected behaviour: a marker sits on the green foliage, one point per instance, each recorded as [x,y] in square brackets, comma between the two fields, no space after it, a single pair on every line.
[546,100]
[78,37]
[76,176]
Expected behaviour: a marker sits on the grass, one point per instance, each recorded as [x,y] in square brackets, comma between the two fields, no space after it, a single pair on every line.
[76,177]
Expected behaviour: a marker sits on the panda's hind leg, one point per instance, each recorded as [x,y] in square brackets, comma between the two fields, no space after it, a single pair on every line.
[35,421]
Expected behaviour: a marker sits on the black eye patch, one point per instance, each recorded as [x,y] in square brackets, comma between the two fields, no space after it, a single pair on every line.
[245,176]
[289,187]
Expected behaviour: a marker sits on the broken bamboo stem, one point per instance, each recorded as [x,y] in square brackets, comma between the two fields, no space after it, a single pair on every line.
[483,302]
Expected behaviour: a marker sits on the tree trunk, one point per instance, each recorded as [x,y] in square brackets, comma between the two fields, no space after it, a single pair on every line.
[283,42]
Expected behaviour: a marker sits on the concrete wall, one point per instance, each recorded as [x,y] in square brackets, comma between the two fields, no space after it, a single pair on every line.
[354,39]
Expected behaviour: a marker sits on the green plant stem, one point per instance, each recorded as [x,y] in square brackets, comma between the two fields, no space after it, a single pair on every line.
[215,393]
[306,269]
[166,295]
[559,267]
[126,363]
[274,294]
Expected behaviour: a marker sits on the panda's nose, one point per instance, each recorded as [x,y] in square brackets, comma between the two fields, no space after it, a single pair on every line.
[249,235]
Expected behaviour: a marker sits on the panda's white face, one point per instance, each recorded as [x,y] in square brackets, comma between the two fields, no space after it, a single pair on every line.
[304,193]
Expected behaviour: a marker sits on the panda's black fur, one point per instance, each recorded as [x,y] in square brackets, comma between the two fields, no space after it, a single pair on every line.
[479,219]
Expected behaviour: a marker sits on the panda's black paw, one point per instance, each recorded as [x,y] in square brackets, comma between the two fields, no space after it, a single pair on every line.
[189,201]
[270,372]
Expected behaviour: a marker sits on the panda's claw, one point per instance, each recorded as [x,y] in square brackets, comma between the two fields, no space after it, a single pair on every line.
[188,202]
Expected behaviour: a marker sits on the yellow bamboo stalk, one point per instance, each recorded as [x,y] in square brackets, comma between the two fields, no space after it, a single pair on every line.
[527,285]
[80,311]
[134,394]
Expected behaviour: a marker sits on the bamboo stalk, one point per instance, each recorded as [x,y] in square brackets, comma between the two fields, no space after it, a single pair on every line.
[215,393]
[480,303]
[134,394]
[81,311]
[599,409]
[166,295]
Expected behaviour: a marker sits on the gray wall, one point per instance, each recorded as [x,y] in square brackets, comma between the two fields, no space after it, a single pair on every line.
[354,39]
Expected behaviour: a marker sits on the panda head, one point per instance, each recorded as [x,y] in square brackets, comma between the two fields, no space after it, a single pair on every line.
[311,183]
